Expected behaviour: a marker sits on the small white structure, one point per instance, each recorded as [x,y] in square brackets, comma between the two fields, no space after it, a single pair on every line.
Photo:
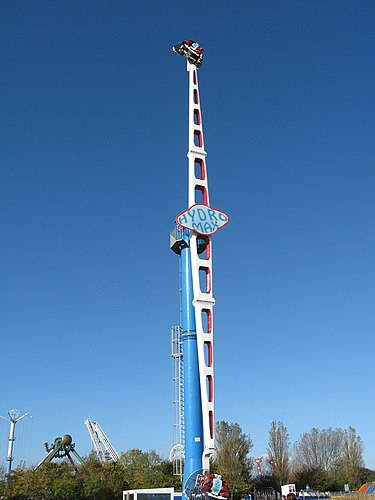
[149,494]
[288,488]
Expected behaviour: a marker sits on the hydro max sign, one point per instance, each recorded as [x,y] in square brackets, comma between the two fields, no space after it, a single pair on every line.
[202,219]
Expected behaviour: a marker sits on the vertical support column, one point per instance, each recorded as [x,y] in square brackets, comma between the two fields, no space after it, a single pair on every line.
[197,305]
[201,268]
[10,445]
[192,397]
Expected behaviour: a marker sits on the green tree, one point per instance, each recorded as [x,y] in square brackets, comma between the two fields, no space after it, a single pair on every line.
[56,480]
[352,457]
[278,452]
[319,450]
[231,457]
[367,476]
[145,469]
[317,478]
[101,481]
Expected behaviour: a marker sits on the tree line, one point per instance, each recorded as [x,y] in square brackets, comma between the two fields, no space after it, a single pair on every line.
[91,480]
[325,459]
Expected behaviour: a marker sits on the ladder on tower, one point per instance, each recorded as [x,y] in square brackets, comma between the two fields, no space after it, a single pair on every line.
[177,453]
[101,444]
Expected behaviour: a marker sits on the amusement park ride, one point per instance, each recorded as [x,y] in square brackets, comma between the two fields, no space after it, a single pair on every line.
[192,341]
[101,444]
[62,447]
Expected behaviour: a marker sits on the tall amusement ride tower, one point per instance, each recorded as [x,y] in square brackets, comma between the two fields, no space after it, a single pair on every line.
[192,241]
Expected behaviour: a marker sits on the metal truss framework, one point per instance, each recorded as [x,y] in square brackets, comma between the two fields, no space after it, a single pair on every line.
[101,444]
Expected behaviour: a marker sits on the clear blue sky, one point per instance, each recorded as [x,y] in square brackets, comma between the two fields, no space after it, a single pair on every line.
[93,171]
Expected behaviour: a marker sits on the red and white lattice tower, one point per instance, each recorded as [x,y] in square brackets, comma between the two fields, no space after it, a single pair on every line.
[199,223]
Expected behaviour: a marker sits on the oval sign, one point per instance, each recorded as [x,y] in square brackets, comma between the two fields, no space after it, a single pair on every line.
[202,219]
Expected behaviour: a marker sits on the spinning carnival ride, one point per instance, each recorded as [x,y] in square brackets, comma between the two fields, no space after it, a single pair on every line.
[62,447]
[191,240]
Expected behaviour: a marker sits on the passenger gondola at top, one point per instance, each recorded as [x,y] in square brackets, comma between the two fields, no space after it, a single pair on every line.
[191,50]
